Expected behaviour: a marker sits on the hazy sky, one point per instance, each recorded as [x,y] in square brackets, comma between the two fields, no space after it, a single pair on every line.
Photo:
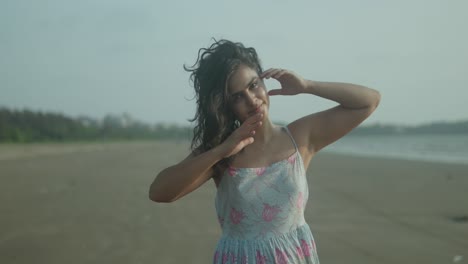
[106,56]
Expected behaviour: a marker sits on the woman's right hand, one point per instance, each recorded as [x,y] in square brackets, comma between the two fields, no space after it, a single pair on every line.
[242,136]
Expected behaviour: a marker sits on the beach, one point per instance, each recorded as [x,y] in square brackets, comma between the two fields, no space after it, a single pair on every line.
[88,203]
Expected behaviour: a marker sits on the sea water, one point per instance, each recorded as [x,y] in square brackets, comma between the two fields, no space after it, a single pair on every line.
[452,148]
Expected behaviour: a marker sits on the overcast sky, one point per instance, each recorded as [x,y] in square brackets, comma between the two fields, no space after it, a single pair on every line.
[106,56]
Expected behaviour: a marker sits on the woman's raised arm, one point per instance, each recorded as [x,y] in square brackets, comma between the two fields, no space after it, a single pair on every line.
[178,180]
[320,129]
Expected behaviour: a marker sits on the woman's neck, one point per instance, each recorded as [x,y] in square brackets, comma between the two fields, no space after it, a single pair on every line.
[264,133]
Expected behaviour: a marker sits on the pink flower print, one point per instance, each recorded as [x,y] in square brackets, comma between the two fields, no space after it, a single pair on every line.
[259,258]
[216,256]
[270,212]
[236,216]
[260,171]
[244,260]
[300,201]
[233,258]
[232,171]
[305,248]
[225,258]
[299,252]
[292,159]
[281,257]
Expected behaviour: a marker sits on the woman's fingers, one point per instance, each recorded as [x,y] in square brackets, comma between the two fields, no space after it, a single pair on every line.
[278,74]
[265,73]
[273,72]
[252,120]
[245,142]
[275,92]
[255,121]
[249,125]
[243,135]
[240,145]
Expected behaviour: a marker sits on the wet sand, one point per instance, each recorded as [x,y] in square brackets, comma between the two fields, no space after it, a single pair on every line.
[88,203]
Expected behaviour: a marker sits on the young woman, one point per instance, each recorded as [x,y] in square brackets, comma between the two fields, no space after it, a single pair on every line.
[259,168]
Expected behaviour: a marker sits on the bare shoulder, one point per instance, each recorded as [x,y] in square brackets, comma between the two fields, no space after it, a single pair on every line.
[300,136]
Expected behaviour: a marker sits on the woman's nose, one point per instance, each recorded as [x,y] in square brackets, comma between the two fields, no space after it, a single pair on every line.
[251,98]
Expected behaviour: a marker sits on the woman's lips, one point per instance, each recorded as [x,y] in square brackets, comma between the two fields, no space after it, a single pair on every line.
[257,110]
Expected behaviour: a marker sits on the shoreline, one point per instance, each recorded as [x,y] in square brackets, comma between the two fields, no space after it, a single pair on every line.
[396,157]
[12,151]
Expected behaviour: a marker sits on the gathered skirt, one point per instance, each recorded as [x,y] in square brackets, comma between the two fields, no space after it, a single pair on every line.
[295,247]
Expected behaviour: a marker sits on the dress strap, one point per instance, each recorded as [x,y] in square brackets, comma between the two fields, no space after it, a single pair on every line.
[292,139]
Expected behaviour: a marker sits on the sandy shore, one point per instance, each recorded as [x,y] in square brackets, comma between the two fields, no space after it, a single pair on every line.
[88,203]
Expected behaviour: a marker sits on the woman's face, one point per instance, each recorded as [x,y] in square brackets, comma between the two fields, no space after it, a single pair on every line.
[247,93]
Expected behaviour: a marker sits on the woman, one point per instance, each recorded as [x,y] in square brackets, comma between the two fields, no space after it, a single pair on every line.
[258,167]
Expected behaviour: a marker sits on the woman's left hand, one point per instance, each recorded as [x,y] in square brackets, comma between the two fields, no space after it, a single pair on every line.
[291,83]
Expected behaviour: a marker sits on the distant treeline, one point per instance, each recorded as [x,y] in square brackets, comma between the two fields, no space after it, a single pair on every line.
[29,126]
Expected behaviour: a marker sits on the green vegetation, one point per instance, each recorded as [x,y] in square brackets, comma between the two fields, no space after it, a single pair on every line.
[27,126]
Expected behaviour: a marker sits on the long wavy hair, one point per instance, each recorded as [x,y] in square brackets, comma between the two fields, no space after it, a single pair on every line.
[214,120]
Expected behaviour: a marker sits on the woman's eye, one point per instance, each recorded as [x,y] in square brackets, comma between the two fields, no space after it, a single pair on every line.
[254,85]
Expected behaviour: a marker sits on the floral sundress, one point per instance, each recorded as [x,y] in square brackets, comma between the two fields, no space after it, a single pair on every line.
[261,214]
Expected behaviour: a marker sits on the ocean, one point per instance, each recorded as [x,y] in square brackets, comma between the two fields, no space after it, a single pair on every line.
[439,148]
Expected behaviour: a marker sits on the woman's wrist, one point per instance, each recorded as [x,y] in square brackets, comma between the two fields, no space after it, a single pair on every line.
[218,152]
[310,87]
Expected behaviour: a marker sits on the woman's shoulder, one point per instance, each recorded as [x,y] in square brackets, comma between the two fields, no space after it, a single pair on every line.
[302,138]
[297,131]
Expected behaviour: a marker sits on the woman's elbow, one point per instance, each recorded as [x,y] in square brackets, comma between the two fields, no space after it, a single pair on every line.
[159,197]
[376,99]
[158,193]
[160,200]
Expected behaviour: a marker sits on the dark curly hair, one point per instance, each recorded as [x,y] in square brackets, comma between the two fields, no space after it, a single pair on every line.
[214,121]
